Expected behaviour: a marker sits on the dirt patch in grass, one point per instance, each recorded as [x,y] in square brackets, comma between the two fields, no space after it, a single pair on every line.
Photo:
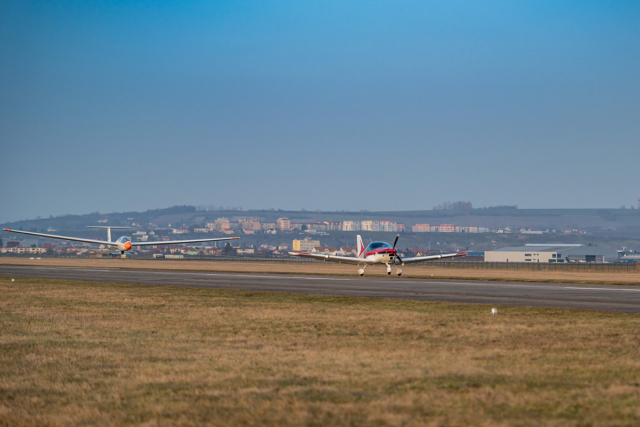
[415,271]
[79,353]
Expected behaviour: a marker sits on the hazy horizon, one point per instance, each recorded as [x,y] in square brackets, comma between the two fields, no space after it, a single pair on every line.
[226,210]
[380,106]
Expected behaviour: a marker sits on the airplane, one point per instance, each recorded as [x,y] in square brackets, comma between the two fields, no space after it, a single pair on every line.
[123,243]
[376,253]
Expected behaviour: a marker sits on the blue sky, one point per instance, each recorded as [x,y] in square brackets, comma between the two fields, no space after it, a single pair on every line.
[114,106]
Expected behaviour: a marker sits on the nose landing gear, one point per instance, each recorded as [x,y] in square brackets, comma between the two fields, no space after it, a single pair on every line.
[399,272]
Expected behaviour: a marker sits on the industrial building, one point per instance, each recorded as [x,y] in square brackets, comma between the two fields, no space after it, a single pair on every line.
[628,256]
[549,253]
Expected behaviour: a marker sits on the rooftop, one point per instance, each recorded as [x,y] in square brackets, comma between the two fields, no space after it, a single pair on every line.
[566,250]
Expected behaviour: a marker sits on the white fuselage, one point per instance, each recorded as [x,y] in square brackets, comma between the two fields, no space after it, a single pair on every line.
[380,258]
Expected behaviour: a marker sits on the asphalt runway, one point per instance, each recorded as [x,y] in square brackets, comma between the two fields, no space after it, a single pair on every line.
[581,296]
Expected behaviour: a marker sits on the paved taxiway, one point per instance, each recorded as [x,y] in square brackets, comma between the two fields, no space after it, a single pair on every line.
[591,297]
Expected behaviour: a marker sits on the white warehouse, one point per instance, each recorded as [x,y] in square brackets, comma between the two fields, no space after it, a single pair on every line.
[540,253]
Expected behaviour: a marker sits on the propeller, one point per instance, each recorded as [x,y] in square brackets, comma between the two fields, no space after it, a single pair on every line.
[394,247]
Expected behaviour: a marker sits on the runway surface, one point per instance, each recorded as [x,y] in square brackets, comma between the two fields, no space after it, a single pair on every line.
[582,296]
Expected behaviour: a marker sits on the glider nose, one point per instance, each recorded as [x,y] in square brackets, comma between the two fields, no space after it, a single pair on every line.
[127,245]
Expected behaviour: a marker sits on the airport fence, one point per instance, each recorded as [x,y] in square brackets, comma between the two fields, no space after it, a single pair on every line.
[479,265]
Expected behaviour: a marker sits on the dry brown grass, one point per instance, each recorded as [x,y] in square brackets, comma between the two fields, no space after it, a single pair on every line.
[78,353]
[621,277]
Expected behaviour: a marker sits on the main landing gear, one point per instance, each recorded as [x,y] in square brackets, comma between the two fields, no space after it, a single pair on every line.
[398,270]
[361,271]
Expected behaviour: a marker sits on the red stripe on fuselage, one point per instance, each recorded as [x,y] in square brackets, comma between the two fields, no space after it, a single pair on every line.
[381,251]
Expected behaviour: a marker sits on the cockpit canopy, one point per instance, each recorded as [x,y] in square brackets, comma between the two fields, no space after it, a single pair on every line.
[377,245]
[123,239]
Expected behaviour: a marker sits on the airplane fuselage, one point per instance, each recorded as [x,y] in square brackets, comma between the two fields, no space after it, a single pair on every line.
[381,255]
[375,253]
[123,244]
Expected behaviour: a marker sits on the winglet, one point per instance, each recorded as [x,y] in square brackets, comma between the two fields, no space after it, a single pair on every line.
[235,238]
[6,229]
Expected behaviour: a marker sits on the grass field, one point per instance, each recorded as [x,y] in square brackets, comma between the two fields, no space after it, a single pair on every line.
[79,353]
[415,271]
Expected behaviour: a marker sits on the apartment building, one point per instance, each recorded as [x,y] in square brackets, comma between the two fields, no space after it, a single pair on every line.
[26,250]
[333,225]
[317,226]
[460,229]
[305,245]
[250,224]
[222,224]
[388,226]
[351,226]
[369,225]
[283,224]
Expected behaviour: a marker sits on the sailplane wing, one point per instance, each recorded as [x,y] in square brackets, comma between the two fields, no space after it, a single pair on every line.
[179,242]
[52,236]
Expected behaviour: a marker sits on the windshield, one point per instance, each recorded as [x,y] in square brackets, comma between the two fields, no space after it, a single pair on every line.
[377,245]
[123,239]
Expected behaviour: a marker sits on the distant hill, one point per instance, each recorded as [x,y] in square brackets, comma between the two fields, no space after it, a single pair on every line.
[594,220]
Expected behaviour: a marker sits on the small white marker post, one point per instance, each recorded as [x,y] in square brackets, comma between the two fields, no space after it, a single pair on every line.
[494,311]
[13,280]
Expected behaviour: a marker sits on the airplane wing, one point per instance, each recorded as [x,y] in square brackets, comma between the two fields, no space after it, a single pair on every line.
[51,236]
[430,257]
[332,258]
[178,242]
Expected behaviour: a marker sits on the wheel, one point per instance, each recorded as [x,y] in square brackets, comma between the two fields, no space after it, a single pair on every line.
[389,273]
